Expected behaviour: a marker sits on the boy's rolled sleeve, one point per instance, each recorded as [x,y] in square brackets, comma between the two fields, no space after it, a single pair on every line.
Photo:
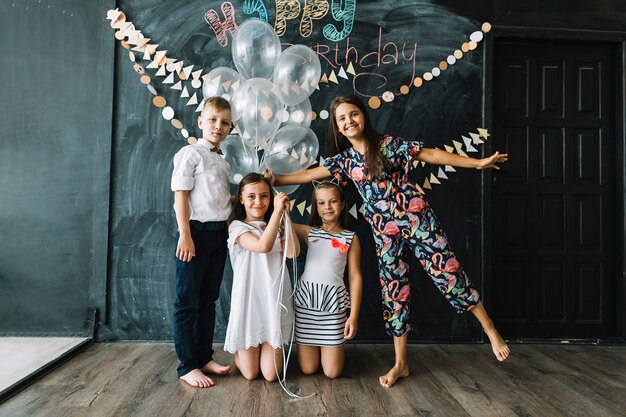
[185,163]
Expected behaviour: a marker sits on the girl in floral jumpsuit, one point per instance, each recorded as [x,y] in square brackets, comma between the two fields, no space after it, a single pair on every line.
[400,218]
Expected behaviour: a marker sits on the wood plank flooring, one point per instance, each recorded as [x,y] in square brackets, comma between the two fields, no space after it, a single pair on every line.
[139,379]
[24,356]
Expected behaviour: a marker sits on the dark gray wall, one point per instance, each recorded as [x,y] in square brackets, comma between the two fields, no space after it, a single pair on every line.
[77,121]
[56,103]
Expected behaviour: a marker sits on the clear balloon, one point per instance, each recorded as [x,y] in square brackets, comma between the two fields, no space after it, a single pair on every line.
[223,82]
[298,114]
[241,158]
[297,73]
[255,48]
[255,111]
[292,149]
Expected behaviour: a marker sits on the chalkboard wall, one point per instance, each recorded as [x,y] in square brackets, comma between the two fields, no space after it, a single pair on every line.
[86,217]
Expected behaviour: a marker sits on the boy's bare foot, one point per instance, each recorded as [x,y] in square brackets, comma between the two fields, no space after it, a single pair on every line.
[213,367]
[499,346]
[196,378]
[390,378]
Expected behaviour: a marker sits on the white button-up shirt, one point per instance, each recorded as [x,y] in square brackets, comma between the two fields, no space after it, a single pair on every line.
[205,175]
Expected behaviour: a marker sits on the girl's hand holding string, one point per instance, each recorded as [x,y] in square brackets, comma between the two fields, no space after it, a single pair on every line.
[281,201]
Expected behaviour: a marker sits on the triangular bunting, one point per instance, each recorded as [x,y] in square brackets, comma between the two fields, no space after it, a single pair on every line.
[470,148]
[342,73]
[185,93]
[301,207]
[467,140]
[434,180]
[350,69]
[442,174]
[193,99]
[196,74]
[449,168]
[199,109]
[353,211]
[483,133]
[333,77]
[187,71]
[303,159]
[427,185]
[153,64]
[169,79]
[161,72]
[449,149]
[458,146]
[308,209]
[178,86]
[294,154]
[324,79]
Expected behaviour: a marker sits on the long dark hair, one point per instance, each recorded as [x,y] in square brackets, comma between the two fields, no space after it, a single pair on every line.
[375,163]
[252,178]
[315,219]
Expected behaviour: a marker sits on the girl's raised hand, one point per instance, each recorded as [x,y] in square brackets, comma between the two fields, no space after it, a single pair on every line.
[494,159]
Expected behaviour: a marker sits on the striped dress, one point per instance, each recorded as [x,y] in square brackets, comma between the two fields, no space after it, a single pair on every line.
[321,298]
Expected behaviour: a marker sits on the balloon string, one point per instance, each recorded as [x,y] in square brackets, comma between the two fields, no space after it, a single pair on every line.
[289,241]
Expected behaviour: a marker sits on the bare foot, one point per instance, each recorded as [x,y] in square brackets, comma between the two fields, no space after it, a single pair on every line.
[196,378]
[390,378]
[213,367]
[499,346]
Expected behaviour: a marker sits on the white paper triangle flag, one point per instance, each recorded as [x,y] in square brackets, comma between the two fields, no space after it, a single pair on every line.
[475,136]
[467,140]
[169,79]
[153,64]
[415,163]
[178,86]
[291,203]
[353,211]
[178,66]
[457,145]
[235,129]
[236,85]
[449,168]
[427,185]
[350,69]
[423,163]
[161,72]
[141,42]
[449,149]
[342,73]
[333,77]
[442,174]
[301,207]
[460,151]
[470,148]
[113,14]
[185,93]
[159,56]
[306,87]
[434,180]
[151,48]
[476,139]
[308,209]
[294,155]
[200,106]
[196,74]
[193,99]
[324,78]
[187,71]
[483,132]
[295,87]
[303,159]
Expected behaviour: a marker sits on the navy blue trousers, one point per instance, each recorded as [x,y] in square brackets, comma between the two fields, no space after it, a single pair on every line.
[197,289]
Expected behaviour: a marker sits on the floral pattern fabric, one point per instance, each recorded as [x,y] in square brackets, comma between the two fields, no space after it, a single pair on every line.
[402,221]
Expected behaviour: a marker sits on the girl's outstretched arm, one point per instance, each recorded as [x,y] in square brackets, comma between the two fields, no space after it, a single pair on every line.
[301,177]
[265,243]
[355,279]
[439,157]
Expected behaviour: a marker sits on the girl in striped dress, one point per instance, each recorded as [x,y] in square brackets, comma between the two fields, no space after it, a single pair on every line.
[321,300]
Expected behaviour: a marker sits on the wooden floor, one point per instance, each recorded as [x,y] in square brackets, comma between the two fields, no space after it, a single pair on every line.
[21,357]
[138,379]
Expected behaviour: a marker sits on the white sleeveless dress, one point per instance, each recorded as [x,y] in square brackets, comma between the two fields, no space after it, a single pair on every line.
[260,307]
[321,299]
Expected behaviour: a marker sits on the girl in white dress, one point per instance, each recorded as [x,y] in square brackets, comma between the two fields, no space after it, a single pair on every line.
[321,300]
[261,316]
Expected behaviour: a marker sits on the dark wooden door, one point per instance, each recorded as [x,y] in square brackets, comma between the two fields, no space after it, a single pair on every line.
[554,237]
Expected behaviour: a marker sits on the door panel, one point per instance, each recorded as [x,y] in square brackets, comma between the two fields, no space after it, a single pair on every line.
[554,201]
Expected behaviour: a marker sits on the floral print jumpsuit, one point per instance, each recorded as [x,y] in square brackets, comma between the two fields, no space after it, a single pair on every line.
[402,220]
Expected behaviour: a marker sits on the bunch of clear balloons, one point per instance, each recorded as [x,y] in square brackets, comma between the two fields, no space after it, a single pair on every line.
[269,95]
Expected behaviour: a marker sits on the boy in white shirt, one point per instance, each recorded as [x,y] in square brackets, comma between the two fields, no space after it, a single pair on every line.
[202,203]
